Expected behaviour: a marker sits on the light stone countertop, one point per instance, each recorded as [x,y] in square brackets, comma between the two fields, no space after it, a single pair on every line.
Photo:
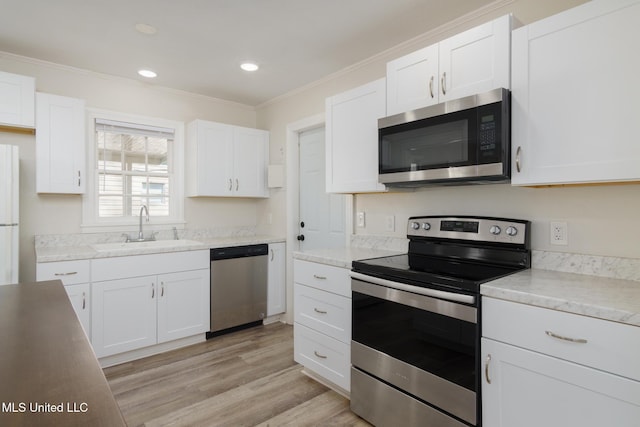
[53,253]
[342,257]
[600,297]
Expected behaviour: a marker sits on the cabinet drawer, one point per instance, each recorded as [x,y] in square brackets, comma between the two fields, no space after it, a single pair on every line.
[70,272]
[323,311]
[329,358]
[322,276]
[609,346]
[145,265]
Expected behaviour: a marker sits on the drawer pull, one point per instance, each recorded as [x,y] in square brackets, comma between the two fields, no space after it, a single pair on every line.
[319,311]
[318,355]
[71,273]
[560,337]
[320,277]
[486,369]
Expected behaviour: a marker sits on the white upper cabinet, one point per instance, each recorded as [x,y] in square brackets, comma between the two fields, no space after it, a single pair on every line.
[352,139]
[225,160]
[17,100]
[413,81]
[60,144]
[575,96]
[468,63]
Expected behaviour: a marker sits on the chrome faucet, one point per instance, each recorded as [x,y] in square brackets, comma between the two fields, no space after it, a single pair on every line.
[140,235]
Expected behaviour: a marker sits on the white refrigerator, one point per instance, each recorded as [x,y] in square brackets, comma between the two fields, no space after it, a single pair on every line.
[8,214]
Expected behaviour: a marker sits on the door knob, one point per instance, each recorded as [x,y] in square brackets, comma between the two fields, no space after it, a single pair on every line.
[300,237]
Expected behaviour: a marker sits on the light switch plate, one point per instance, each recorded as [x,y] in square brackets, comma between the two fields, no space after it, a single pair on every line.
[360,219]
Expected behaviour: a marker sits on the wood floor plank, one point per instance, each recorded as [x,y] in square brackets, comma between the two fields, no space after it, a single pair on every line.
[247,378]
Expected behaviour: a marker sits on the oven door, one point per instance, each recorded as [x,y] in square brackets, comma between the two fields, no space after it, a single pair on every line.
[422,345]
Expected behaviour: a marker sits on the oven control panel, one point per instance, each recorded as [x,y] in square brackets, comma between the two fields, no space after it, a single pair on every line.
[486,229]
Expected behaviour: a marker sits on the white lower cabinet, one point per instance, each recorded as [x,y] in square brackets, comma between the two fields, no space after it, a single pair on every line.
[276,284]
[80,297]
[322,321]
[547,368]
[124,315]
[75,276]
[133,308]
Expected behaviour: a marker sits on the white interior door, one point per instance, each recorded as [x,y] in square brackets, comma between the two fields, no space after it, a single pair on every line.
[322,215]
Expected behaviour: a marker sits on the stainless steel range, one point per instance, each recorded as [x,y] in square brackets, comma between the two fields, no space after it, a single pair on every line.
[416,320]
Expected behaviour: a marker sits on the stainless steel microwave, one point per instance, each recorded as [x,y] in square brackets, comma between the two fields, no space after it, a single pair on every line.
[466,140]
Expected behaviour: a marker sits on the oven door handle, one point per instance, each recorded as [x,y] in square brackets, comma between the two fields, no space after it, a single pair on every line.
[466,299]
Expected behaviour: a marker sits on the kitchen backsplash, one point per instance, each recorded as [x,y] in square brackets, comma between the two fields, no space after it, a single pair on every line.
[593,265]
[54,240]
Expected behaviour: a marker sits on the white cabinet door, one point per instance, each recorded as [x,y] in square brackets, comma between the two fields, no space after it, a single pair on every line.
[527,389]
[476,61]
[209,154]
[123,315]
[183,304]
[472,62]
[574,96]
[80,297]
[60,144]
[250,162]
[413,81]
[226,161]
[17,100]
[352,138]
[276,289]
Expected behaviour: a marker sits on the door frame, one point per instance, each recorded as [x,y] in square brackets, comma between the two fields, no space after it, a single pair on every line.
[293,200]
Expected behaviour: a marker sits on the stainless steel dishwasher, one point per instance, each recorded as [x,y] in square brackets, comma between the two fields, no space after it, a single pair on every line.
[238,287]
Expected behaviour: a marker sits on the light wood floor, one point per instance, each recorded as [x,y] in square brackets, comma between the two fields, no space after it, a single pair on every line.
[247,378]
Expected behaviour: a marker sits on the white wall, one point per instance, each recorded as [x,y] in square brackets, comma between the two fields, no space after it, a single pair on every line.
[59,214]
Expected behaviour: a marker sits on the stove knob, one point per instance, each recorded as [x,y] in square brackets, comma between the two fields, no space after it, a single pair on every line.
[511,231]
[415,225]
[495,230]
[426,226]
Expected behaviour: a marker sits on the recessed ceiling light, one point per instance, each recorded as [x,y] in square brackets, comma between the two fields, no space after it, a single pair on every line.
[249,66]
[147,73]
[146,29]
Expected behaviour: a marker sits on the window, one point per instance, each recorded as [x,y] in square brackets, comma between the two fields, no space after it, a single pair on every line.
[135,163]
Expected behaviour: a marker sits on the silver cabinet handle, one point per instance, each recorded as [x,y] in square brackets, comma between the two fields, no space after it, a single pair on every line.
[486,369]
[153,290]
[70,273]
[230,184]
[319,277]
[560,337]
[431,87]
[518,152]
[78,178]
[161,289]
[84,300]
[272,255]
[237,184]
[443,82]
[319,311]
[318,355]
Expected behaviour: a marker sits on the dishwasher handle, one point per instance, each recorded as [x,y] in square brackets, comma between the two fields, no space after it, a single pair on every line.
[239,252]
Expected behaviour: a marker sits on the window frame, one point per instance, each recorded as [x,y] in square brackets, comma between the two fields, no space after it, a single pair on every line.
[91,222]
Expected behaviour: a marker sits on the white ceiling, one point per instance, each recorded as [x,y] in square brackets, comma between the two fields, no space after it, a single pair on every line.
[200,44]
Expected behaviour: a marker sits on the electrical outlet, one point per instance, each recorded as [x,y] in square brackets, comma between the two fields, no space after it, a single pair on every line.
[390,223]
[360,219]
[559,234]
